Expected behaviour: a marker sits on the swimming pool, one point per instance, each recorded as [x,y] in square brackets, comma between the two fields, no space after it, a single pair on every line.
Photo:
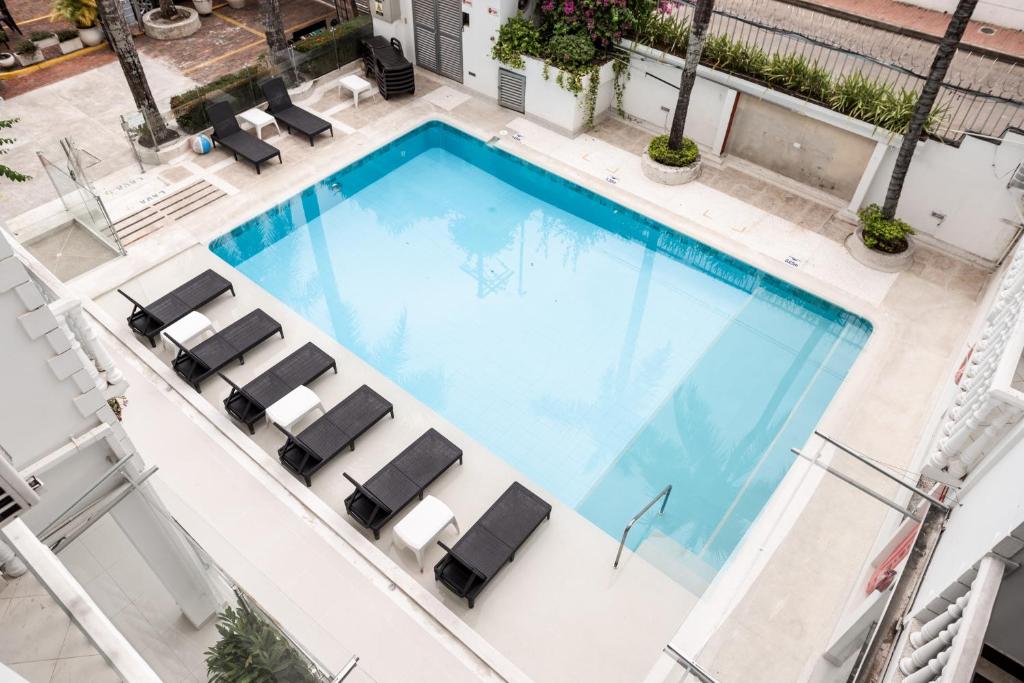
[600,353]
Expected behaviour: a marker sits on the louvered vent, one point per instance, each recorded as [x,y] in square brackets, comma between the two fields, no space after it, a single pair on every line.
[512,90]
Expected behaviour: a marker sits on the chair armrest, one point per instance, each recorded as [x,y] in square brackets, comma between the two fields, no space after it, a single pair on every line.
[237,391]
[479,574]
[136,306]
[183,352]
[381,508]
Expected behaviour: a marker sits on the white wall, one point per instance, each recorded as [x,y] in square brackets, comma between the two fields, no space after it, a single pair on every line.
[1009,13]
[967,185]
[479,71]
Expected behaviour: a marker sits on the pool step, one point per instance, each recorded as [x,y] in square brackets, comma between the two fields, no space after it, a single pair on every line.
[148,220]
[681,565]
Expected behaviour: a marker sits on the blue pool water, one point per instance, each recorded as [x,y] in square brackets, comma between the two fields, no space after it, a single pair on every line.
[600,353]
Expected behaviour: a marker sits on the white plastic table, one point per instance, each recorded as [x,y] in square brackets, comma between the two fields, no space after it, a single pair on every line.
[185,330]
[259,119]
[421,527]
[295,405]
[355,85]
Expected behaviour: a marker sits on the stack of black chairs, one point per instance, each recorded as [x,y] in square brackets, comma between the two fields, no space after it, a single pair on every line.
[385,63]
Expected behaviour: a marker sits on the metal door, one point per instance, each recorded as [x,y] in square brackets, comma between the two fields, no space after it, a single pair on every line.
[437,28]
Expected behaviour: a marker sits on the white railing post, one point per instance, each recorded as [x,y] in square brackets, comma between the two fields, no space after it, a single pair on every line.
[84,342]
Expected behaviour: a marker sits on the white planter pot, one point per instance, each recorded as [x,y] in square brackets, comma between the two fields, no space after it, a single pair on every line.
[7,60]
[93,35]
[160,29]
[236,4]
[204,7]
[669,175]
[69,46]
[550,102]
[31,58]
[46,42]
[879,260]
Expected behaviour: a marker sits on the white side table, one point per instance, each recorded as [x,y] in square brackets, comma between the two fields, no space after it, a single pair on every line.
[259,119]
[187,329]
[421,527]
[295,405]
[355,85]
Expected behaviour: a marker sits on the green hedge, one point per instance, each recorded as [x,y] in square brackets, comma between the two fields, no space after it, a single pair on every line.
[328,50]
[314,56]
[240,87]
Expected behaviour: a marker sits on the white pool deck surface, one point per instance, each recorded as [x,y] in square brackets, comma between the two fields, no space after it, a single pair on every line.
[560,612]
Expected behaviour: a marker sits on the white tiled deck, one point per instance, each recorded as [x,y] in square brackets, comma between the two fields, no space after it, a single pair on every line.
[559,612]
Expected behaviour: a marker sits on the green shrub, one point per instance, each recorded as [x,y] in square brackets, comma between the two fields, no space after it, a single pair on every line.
[240,87]
[570,51]
[795,74]
[659,151]
[883,234]
[516,37]
[37,36]
[66,34]
[24,47]
[253,651]
[330,49]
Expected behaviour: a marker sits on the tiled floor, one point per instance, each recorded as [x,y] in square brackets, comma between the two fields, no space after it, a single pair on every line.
[39,641]
[70,251]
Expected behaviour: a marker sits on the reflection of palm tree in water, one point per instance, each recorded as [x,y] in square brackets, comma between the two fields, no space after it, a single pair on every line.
[393,355]
[481,244]
[578,238]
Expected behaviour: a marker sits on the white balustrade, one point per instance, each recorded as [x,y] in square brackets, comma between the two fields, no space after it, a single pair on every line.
[986,407]
[84,342]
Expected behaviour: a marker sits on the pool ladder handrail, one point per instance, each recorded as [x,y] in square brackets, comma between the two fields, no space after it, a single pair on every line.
[625,532]
[690,665]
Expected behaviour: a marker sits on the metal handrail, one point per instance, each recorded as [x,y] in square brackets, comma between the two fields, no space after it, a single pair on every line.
[683,661]
[625,532]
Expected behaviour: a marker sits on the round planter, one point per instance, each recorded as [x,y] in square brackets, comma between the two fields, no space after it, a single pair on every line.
[236,4]
[204,7]
[7,60]
[879,260]
[161,29]
[669,175]
[91,35]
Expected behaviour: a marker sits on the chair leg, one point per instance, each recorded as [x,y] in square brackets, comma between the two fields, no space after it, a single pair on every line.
[241,360]
[252,428]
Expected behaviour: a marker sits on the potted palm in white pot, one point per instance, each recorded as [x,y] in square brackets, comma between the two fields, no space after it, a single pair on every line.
[69,40]
[27,53]
[82,15]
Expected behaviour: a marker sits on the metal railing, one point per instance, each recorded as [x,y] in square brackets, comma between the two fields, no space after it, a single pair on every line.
[691,666]
[625,532]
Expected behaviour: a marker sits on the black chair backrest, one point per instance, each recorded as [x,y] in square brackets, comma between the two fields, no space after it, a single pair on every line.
[222,117]
[396,45]
[276,94]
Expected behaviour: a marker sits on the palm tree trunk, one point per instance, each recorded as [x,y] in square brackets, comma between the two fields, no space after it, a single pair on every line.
[694,48]
[123,45]
[270,13]
[167,9]
[943,58]
[346,9]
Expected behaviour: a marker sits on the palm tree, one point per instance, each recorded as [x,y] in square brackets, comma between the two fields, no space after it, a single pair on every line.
[943,58]
[694,48]
[167,10]
[270,13]
[123,45]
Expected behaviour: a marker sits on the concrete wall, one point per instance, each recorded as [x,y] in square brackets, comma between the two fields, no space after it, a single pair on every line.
[1009,13]
[1004,628]
[958,194]
[804,149]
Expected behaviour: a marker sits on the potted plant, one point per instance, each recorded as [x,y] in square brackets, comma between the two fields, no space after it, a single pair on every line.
[7,59]
[43,39]
[881,243]
[69,40]
[669,166]
[236,4]
[204,7]
[27,52]
[82,14]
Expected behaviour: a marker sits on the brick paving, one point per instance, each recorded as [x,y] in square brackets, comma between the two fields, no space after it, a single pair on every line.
[227,40]
[1004,40]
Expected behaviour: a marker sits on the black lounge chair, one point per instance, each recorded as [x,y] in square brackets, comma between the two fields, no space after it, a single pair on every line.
[279,105]
[386,493]
[385,62]
[488,545]
[232,343]
[149,321]
[249,403]
[303,454]
[227,132]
